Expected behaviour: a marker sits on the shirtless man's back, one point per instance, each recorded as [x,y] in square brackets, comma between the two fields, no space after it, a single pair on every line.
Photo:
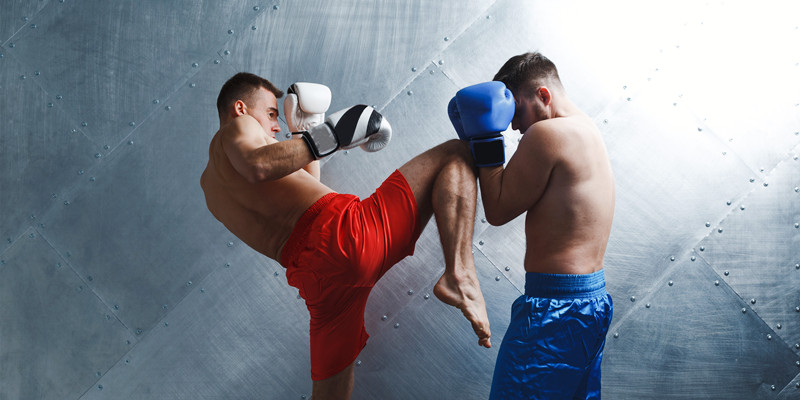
[560,175]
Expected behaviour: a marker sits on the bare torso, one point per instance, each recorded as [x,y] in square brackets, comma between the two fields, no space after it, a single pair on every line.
[567,229]
[262,214]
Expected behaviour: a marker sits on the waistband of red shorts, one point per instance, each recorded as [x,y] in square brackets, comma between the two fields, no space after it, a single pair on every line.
[297,240]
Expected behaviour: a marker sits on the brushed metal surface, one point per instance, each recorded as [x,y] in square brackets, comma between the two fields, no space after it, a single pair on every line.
[691,331]
[57,335]
[699,105]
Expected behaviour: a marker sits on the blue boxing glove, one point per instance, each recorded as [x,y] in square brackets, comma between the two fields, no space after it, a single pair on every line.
[480,113]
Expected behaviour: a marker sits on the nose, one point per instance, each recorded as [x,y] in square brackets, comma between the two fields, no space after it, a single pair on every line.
[276,127]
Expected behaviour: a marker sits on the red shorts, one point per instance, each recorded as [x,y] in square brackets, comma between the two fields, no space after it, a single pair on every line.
[336,253]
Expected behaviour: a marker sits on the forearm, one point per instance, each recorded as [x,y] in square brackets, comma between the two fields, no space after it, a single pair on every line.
[491,183]
[277,160]
[313,168]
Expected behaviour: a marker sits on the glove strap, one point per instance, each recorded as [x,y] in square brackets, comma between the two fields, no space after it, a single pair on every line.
[321,140]
[488,151]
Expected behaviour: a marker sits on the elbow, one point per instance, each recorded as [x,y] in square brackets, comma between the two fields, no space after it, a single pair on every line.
[494,218]
[255,175]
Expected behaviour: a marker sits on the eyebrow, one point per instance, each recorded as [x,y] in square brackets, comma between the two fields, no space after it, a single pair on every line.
[273,109]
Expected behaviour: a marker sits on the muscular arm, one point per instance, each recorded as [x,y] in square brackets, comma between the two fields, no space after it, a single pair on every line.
[507,193]
[258,157]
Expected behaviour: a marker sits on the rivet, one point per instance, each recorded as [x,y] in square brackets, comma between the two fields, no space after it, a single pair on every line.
[191,85]
[80,172]
[605,121]
[106,147]
[797,224]
[138,331]
[647,305]
[253,28]
[497,278]
[256,8]
[616,335]
[195,65]
[797,309]
[276,273]
[116,306]
[99,387]
[397,325]
[772,387]
[410,92]
[672,258]
[383,318]
[66,203]
[97,155]
[84,124]
[752,301]
[164,306]
[744,310]
[741,207]
[633,298]
[629,99]
[230,244]
[89,278]
[671,283]
[11,45]
[446,38]
[441,62]
[769,337]
[288,135]
[727,273]
[156,101]
[216,61]
[483,220]
[130,142]
[49,105]
[59,97]
[729,203]
[427,296]
[708,224]
[189,283]
[227,52]
[32,235]
[358,363]
[779,326]
[797,345]
[166,323]
[127,361]
[508,269]
[227,265]
[230,31]
[693,258]
[716,283]
[480,242]
[766,184]
[168,108]
[702,248]
[202,290]
[410,292]
[413,69]
[719,230]
[275,7]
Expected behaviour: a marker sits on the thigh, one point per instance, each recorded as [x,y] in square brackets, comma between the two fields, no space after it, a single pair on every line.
[421,172]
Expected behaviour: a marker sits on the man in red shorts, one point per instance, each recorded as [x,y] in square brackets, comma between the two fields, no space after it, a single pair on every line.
[335,246]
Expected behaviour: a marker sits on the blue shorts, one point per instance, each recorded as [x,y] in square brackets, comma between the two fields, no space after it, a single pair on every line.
[554,343]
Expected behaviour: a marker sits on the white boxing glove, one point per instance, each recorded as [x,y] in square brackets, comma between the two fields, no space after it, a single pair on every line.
[305,105]
[355,126]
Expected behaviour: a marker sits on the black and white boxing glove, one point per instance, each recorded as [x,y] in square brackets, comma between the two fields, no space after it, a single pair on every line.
[305,105]
[358,125]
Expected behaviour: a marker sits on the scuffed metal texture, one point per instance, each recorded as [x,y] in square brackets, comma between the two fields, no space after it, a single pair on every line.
[116,282]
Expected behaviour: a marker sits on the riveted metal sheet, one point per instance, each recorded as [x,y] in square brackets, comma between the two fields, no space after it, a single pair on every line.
[364,51]
[792,390]
[242,333]
[111,61]
[17,15]
[57,336]
[689,339]
[756,250]
[138,224]
[428,350]
[41,151]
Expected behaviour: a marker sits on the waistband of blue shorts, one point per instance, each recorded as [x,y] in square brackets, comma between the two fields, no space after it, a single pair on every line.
[563,286]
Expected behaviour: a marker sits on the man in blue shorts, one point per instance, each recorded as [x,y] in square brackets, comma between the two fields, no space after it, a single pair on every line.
[560,175]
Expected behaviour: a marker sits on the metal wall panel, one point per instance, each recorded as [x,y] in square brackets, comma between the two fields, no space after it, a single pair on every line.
[56,335]
[690,330]
[137,225]
[699,104]
[41,152]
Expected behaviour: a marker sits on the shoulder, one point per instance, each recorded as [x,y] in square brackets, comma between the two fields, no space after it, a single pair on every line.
[241,125]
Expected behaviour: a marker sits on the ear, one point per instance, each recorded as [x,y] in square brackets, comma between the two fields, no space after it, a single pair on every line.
[544,95]
[239,108]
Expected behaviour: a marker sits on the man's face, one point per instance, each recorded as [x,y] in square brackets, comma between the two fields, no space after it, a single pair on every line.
[528,110]
[263,106]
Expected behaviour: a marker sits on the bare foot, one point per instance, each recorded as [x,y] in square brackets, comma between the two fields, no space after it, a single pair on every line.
[465,294]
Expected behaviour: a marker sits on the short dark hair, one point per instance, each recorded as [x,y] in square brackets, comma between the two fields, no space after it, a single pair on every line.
[527,72]
[240,87]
